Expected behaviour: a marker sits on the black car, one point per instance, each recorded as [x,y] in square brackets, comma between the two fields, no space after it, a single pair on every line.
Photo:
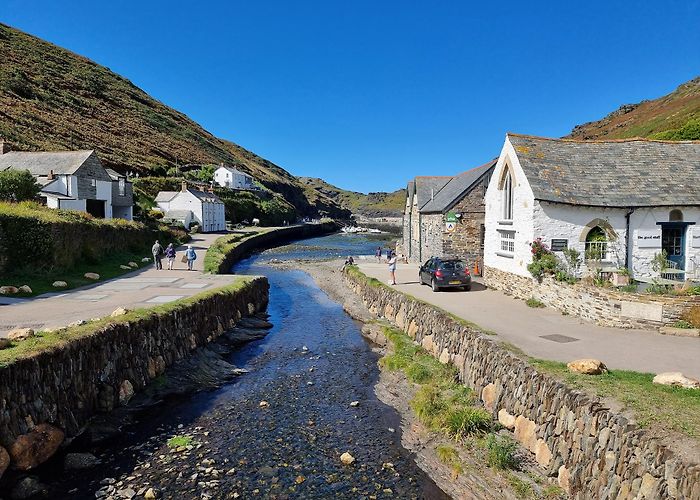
[445,273]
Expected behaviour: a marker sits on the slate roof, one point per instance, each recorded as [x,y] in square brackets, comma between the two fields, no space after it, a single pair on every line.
[165,196]
[409,191]
[428,186]
[113,174]
[204,196]
[457,186]
[41,163]
[614,173]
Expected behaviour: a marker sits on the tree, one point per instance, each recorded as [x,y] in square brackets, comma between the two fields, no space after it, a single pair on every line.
[18,185]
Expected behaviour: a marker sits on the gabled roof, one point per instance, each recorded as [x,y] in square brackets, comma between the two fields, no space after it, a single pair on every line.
[204,196]
[164,196]
[234,170]
[114,175]
[43,162]
[456,188]
[428,186]
[612,173]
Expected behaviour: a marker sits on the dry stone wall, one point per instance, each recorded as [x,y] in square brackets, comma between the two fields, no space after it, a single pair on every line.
[594,452]
[606,307]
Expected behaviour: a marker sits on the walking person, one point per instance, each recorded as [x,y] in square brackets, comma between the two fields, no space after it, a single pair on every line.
[170,255]
[157,252]
[191,257]
[378,254]
[392,267]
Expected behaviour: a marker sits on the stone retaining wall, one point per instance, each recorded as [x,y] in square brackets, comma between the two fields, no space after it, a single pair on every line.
[604,306]
[274,237]
[594,452]
[66,385]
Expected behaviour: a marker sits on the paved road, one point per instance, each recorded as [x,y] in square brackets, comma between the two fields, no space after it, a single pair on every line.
[146,287]
[527,328]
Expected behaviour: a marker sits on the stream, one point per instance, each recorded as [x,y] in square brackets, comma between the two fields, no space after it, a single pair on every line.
[279,430]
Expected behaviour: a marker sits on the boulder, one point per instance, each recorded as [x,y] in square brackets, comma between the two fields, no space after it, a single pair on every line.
[119,311]
[125,268]
[563,480]
[145,259]
[133,265]
[525,433]
[676,379]
[25,289]
[150,494]
[542,453]
[59,284]
[91,276]
[79,461]
[506,419]
[29,487]
[587,366]
[489,396]
[4,460]
[126,392]
[36,447]
[8,290]
[346,458]
[20,334]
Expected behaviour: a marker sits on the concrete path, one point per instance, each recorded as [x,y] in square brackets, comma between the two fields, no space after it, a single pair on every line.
[146,287]
[546,333]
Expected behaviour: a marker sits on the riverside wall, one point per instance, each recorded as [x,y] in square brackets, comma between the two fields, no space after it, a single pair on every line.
[99,366]
[272,238]
[593,451]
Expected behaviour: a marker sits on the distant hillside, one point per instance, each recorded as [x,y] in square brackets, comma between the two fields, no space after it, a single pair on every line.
[52,99]
[675,117]
[370,205]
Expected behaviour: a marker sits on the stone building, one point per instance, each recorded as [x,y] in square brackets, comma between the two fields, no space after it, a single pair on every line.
[620,203]
[444,216]
[189,206]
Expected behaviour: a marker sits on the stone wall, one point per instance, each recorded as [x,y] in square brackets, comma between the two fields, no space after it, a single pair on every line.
[66,385]
[594,452]
[604,306]
[465,241]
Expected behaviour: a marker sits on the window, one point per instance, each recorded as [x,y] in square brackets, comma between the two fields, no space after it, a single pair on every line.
[122,186]
[507,241]
[507,197]
[596,244]
[482,237]
[93,182]
[675,216]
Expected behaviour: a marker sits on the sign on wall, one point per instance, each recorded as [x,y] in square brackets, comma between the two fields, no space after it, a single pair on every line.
[451,217]
[450,226]
[559,245]
[648,238]
[695,237]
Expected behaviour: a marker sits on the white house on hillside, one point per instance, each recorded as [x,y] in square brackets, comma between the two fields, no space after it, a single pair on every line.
[75,180]
[232,178]
[190,205]
[618,202]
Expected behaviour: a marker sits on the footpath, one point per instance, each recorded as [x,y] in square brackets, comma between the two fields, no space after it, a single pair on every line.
[546,333]
[146,287]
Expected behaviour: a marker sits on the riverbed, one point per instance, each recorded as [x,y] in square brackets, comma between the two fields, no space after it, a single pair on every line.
[279,430]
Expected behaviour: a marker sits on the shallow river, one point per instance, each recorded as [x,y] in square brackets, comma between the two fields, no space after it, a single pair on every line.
[309,369]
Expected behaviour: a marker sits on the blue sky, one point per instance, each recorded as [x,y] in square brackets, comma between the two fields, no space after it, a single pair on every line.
[368,94]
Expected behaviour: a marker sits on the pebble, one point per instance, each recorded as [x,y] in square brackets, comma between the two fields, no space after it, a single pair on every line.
[264,404]
[346,458]
[355,403]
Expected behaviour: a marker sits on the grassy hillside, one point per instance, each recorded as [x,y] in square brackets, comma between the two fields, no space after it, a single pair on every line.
[370,205]
[52,99]
[675,117]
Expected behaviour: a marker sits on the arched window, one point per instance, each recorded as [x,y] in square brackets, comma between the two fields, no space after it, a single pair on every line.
[596,244]
[675,216]
[507,196]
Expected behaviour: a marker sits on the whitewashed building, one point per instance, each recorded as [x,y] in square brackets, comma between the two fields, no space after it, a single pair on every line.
[619,202]
[74,180]
[232,178]
[190,205]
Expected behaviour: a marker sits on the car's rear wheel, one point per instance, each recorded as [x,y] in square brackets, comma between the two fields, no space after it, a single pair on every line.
[466,288]
[434,285]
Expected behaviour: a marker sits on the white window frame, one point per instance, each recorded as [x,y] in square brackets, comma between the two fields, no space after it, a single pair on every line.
[507,197]
[121,183]
[506,243]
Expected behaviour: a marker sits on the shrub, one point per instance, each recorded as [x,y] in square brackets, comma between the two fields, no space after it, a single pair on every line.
[543,260]
[18,185]
[429,405]
[533,302]
[692,316]
[464,422]
[501,452]
[681,324]
[418,373]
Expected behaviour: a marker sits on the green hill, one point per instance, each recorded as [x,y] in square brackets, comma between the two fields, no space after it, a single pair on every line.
[370,205]
[674,117]
[52,99]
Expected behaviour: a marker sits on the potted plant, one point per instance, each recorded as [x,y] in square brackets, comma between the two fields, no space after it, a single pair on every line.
[620,277]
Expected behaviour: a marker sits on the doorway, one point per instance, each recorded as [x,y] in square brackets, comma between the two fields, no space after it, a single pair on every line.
[673,242]
[96,208]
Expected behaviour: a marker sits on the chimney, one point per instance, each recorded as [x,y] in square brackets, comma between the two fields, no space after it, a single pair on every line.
[184,186]
[51,175]
[4,146]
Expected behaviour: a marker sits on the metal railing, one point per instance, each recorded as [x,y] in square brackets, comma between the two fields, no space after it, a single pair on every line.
[596,250]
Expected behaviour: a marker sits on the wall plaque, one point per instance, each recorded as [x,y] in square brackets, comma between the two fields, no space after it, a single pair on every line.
[559,245]
[648,238]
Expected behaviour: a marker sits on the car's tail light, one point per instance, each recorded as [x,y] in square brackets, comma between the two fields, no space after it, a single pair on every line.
[438,273]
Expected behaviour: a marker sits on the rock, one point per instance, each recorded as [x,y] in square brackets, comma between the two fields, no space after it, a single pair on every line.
[506,419]
[126,392]
[133,265]
[79,461]
[542,453]
[91,276]
[29,487]
[80,322]
[150,494]
[587,366]
[145,259]
[676,379]
[25,289]
[8,290]
[264,404]
[119,311]
[20,334]
[489,396]
[4,460]
[4,344]
[355,403]
[126,493]
[346,458]
[525,432]
[35,447]
[563,478]
[59,284]
[125,268]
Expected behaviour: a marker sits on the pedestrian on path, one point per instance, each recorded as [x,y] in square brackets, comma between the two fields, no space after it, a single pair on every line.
[378,254]
[170,254]
[191,257]
[392,267]
[157,252]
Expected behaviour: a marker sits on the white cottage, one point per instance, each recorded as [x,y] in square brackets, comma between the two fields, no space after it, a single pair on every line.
[619,202]
[232,178]
[190,205]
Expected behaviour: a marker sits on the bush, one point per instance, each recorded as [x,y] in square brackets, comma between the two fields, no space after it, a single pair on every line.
[501,452]
[465,422]
[543,260]
[692,316]
[18,185]
[534,303]
[429,405]
[418,373]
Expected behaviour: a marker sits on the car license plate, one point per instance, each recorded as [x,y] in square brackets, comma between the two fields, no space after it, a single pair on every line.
[455,282]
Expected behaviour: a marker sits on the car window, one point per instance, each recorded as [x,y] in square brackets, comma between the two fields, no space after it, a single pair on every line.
[427,264]
[454,265]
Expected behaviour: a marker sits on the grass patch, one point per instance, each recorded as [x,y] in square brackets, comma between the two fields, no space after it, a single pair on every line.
[449,456]
[178,441]
[500,452]
[534,303]
[552,492]
[60,338]
[521,488]
[671,407]
[219,250]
